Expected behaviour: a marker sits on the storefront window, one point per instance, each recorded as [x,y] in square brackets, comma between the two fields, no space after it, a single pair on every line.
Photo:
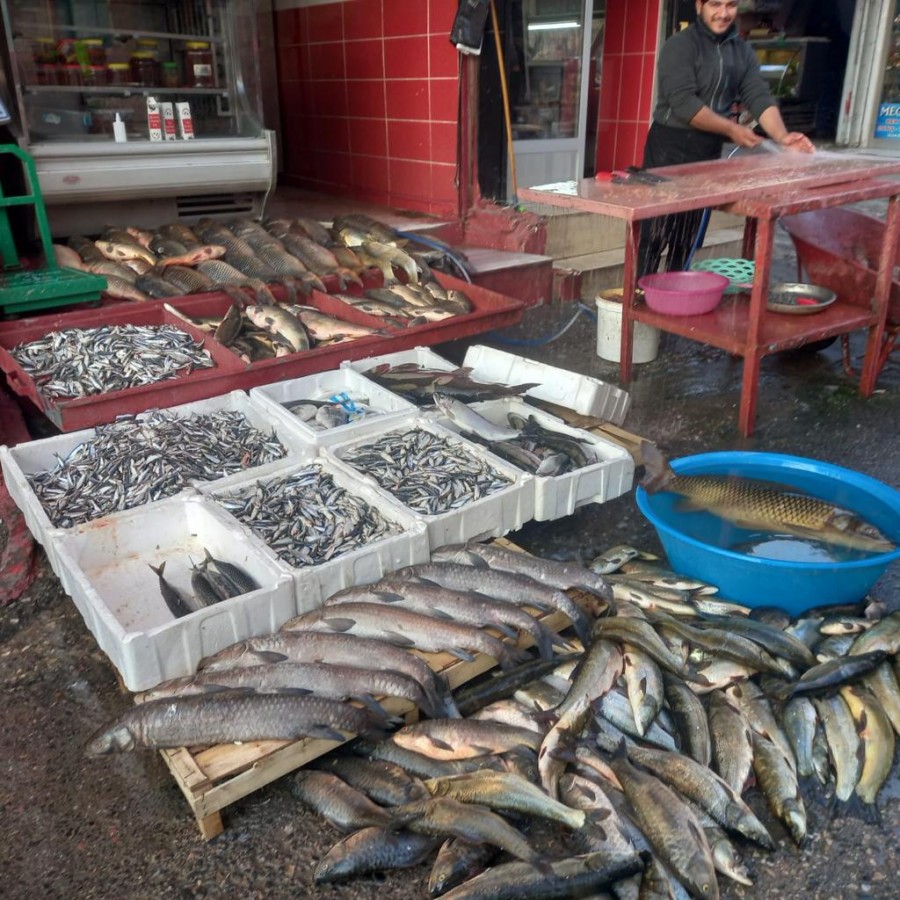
[887,122]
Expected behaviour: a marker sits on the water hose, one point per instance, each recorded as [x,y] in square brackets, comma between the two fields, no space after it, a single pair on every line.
[580,310]
[437,245]
[704,224]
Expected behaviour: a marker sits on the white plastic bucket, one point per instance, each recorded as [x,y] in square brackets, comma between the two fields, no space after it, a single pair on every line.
[645,345]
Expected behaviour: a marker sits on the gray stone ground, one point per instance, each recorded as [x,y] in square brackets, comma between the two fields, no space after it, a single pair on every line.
[118,827]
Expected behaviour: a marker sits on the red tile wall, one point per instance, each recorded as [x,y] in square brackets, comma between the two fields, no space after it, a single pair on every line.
[630,44]
[369,94]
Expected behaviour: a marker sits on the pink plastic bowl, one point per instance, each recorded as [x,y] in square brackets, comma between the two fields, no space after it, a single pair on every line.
[683,293]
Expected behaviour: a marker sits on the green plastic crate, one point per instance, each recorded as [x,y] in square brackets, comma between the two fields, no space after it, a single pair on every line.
[29,290]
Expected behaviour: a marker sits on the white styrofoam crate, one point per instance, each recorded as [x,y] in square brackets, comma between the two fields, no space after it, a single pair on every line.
[582,393]
[105,569]
[42,455]
[610,475]
[424,357]
[313,584]
[25,459]
[384,405]
[491,516]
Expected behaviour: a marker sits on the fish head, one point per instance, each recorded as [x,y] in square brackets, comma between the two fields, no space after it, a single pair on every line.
[699,877]
[114,739]
[856,533]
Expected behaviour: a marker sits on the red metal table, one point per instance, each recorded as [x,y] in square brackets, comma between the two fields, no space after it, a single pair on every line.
[760,187]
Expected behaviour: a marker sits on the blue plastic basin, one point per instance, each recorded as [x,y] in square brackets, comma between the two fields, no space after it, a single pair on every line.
[693,540]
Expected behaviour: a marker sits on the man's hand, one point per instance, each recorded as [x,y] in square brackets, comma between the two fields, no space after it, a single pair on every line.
[797,142]
[744,136]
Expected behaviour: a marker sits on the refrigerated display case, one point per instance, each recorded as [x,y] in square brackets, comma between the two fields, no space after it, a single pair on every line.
[80,74]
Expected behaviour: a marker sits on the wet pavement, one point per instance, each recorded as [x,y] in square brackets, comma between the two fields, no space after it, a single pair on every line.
[119,827]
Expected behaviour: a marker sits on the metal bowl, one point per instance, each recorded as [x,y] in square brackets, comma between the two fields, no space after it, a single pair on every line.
[799,299]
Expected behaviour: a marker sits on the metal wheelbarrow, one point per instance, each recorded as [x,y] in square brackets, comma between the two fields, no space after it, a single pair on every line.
[838,249]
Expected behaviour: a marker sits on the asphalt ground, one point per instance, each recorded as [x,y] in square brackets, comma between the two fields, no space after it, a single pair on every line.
[119,827]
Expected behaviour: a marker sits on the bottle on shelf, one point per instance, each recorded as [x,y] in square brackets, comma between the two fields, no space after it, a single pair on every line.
[169,75]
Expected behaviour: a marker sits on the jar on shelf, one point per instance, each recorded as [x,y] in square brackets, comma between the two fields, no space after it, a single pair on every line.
[71,75]
[96,52]
[95,76]
[118,73]
[169,75]
[44,51]
[198,65]
[147,45]
[144,69]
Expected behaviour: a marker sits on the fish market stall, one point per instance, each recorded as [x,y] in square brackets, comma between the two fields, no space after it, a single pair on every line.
[762,188]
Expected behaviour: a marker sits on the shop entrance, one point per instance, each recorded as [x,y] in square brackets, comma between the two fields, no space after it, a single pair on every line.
[551,51]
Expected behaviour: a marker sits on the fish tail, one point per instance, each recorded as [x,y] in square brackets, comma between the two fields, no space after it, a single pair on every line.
[158,569]
[237,295]
[657,472]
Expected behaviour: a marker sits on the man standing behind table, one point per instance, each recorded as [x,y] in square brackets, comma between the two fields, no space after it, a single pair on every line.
[701,73]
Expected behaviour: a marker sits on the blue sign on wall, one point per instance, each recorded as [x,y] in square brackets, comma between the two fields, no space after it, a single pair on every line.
[887,125]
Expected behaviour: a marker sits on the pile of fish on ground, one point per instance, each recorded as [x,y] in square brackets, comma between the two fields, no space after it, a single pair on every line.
[142,458]
[633,744]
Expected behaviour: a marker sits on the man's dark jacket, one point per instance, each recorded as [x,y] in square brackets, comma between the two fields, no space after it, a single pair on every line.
[697,68]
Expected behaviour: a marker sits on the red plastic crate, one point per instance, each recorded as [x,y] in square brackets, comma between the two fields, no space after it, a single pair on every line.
[490,310]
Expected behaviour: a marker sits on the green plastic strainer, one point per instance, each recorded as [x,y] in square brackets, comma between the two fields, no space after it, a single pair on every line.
[738,271]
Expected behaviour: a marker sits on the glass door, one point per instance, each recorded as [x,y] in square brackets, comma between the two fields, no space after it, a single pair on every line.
[548,93]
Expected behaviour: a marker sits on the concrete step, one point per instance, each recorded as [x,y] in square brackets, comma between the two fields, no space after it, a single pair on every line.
[525,276]
[605,269]
[575,233]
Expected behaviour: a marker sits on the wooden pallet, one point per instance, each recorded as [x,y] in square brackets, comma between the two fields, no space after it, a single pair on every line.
[215,777]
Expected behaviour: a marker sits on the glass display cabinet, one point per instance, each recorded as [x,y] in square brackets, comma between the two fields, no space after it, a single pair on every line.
[153,103]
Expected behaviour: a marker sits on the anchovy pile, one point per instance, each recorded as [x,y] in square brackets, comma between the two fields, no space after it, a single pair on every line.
[139,459]
[80,362]
[425,471]
[307,518]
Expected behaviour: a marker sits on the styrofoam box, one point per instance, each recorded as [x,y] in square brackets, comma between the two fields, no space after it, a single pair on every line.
[105,569]
[384,405]
[424,357]
[586,395]
[39,456]
[491,516]
[313,584]
[609,476]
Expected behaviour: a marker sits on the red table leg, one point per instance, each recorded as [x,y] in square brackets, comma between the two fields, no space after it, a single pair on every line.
[764,232]
[629,284]
[872,362]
